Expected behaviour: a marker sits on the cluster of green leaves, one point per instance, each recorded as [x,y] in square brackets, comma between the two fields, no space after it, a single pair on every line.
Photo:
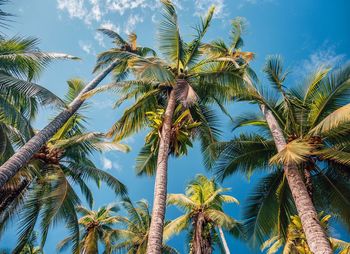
[183,130]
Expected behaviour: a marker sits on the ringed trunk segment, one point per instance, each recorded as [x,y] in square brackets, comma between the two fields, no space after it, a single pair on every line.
[315,235]
[26,152]
[155,237]
[201,241]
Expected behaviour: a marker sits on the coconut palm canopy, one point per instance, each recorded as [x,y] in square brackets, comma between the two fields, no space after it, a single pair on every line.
[312,38]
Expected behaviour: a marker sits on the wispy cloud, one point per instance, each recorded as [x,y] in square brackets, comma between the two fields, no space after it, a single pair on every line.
[202,6]
[124,5]
[325,56]
[133,20]
[91,11]
[88,11]
[244,3]
[87,47]
[109,25]
[108,164]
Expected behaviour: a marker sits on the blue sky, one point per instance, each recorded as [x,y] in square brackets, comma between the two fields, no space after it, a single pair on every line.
[305,33]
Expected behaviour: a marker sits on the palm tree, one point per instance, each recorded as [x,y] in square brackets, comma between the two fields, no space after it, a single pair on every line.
[113,60]
[203,207]
[183,77]
[96,226]
[316,237]
[132,235]
[295,241]
[44,186]
[295,111]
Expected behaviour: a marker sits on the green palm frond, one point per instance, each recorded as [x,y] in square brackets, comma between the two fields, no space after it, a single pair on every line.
[176,226]
[134,117]
[333,120]
[274,70]
[249,119]
[332,193]
[22,58]
[29,89]
[245,153]
[181,201]
[117,39]
[330,94]
[171,43]
[98,175]
[271,198]
[296,151]
[146,161]
[194,46]
[239,25]
[152,69]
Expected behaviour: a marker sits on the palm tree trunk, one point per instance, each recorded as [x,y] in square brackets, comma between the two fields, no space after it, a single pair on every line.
[315,235]
[26,152]
[201,239]
[223,240]
[155,238]
[90,242]
[9,195]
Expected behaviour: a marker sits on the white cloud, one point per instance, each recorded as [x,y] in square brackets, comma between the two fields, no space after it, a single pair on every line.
[109,25]
[86,10]
[93,12]
[326,56]
[123,5]
[133,20]
[108,164]
[100,39]
[129,140]
[75,8]
[244,3]
[86,47]
[202,6]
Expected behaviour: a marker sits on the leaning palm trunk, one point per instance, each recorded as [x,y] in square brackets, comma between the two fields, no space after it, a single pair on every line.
[25,153]
[10,194]
[223,240]
[316,237]
[155,238]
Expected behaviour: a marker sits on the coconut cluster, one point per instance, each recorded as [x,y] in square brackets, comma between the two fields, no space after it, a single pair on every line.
[49,155]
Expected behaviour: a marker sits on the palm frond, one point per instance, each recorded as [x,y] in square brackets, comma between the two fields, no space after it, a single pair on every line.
[171,43]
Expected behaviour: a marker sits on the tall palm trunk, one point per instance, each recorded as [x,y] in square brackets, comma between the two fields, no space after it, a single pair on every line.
[90,242]
[223,240]
[26,152]
[315,235]
[155,238]
[201,239]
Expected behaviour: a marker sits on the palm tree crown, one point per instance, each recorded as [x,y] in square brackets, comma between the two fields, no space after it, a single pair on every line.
[204,214]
